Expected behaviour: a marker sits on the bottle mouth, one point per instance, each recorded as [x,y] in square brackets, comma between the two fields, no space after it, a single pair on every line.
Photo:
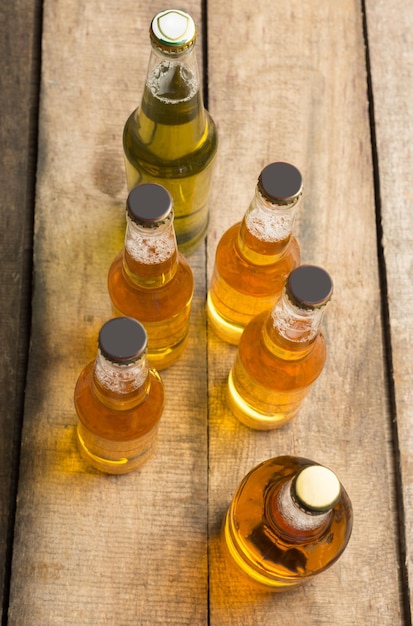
[149,205]
[309,287]
[173,31]
[316,489]
[281,183]
[122,340]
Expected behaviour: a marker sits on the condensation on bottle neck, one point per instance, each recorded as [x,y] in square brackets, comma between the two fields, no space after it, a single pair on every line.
[296,516]
[121,378]
[294,323]
[268,221]
[151,246]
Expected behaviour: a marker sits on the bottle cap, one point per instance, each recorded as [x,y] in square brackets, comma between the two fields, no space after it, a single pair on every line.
[173,30]
[317,488]
[280,183]
[309,286]
[149,204]
[122,340]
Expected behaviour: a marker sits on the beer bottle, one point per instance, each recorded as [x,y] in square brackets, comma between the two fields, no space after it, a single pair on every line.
[119,400]
[255,256]
[171,138]
[281,352]
[150,279]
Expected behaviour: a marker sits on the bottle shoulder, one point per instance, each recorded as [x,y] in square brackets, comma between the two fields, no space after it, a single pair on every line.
[267,276]
[182,281]
[278,349]
[147,146]
[122,424]
[274,366]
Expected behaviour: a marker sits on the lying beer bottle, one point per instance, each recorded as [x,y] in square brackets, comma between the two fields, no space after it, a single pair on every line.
[171,138]
[289,520]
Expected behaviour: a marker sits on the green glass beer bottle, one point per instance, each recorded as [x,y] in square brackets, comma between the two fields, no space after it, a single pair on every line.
[170,138]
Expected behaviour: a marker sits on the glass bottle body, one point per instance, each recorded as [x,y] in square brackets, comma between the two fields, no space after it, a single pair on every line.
[270,539]
[171,139]
[251,267]
[118,415]
[151,281]
[275,366]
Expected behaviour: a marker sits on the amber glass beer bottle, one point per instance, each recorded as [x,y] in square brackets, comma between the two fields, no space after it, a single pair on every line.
[171,138]
[255,256]
[281,352]
[289,520]
[150,279]
[119,400]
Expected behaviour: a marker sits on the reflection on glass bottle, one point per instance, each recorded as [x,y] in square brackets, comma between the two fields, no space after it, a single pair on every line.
[255,256]
[171,138]
[289,520]
[281,352]
[119,400]
[150,279]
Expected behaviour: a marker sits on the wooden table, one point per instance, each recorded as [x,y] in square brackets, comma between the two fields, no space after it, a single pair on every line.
[325,85]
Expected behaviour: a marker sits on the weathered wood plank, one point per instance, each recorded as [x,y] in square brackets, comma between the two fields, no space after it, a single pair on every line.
[288,82]
[390,31]
[19,62]
[92,549]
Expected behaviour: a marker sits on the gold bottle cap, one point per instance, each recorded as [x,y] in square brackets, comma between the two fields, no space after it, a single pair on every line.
[317,488]
[173,30]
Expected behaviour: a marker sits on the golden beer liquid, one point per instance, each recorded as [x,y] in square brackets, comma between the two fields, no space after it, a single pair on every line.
[160,299]
[249,276]
[271,376]
[117,435]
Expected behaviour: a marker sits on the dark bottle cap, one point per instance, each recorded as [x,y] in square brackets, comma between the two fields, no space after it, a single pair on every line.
[149,204]
[316,489]
[280,183]
[309,286]
[173,30]
[122,340]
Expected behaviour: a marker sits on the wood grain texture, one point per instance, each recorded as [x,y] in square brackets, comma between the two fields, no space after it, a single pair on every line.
[390,33]
[19,61]
[92,549]
[288,82]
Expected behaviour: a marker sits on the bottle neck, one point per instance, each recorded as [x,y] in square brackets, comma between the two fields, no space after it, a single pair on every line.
[266,230]
[172,118]
[168,86]
[150,256]
[290,331]
[291,519]
[121,386]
